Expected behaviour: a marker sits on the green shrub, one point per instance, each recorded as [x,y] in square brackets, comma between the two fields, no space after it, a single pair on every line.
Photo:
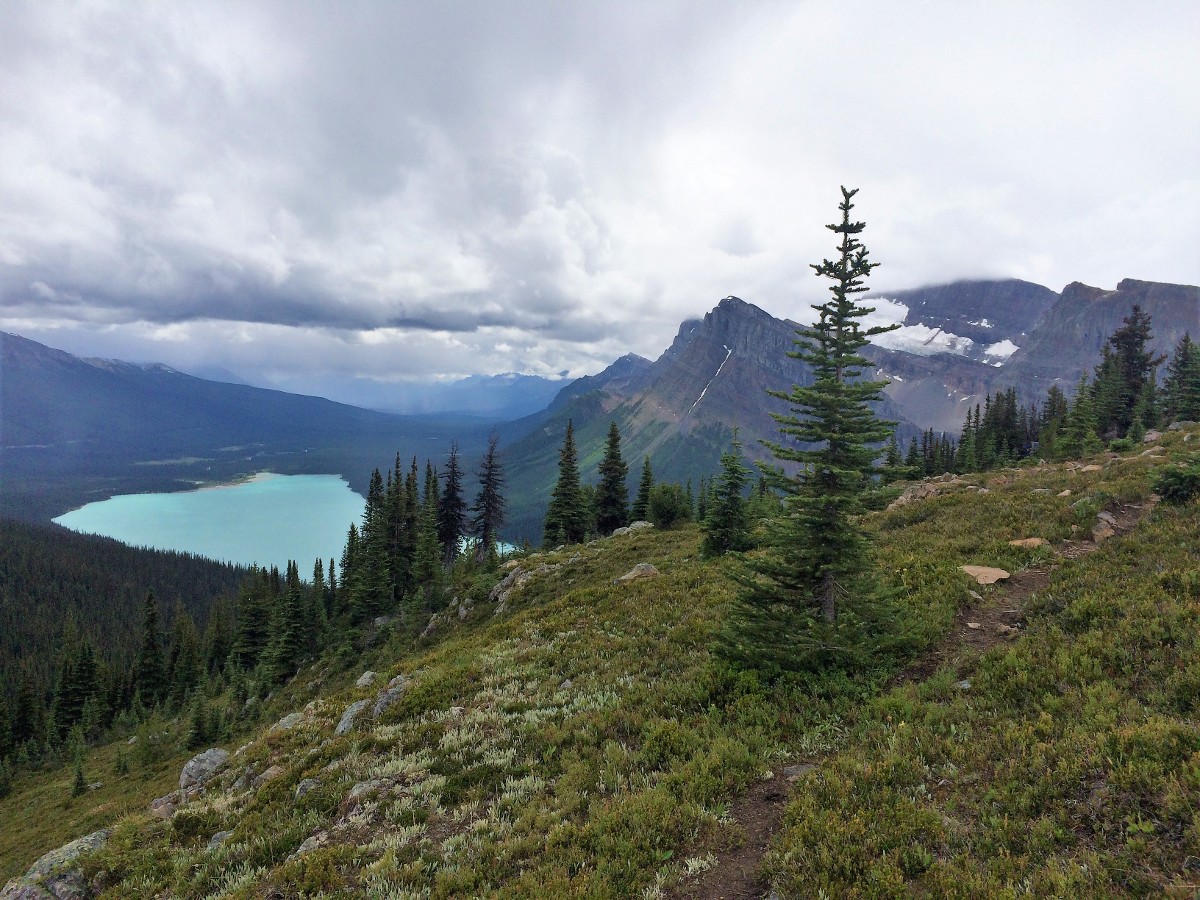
[1178,486]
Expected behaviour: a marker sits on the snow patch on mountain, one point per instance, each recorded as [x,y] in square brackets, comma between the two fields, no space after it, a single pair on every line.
[1001,349]
[923,341]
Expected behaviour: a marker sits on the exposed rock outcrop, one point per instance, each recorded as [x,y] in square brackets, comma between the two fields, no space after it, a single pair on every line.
[53,876]
[201,768]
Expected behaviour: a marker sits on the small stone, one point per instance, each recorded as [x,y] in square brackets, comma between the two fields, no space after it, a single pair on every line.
[1092,468]
[974,626]
[380,621]
[163,807]
[1065,493]
[983,490]
[353,711]
[1040,491]
[1106,517]
[218,839]
[306,786]
[566,685]
[1151,436]
[270,775]
[795,773]
[363,788]
[964,685]
[312,843]
[365,679]
[1007,629]
[975,595]
[985,574]
[641,570]
[1101,533]
[1153,451]
[635,526]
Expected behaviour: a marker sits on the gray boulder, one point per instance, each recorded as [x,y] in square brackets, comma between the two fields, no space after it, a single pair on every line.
[388,696]
[287,722]
[350,716]
[52,877]
[200,769]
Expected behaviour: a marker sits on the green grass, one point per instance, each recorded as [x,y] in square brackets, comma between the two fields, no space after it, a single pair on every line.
[40,814]
[1069,768]
[585,743]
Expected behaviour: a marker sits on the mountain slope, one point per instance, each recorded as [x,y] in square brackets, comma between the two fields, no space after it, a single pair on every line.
[575,738]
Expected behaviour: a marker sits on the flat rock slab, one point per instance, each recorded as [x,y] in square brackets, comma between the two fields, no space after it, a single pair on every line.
[985,574]
[1029,543]
[641,570]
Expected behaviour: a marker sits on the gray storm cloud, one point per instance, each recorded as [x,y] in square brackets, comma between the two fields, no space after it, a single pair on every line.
[436,189]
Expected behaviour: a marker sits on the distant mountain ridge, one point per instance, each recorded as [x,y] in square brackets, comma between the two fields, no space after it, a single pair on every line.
[682,408]
[74,430]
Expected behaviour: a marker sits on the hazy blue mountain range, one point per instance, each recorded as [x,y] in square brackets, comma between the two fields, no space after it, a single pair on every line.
[509,395]
[74,430]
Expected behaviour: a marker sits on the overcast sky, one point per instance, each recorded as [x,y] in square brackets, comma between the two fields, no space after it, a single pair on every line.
[398,189]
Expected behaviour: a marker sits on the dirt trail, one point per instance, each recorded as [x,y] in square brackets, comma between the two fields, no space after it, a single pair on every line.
[992,619]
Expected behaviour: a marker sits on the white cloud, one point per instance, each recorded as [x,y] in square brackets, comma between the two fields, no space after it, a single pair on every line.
[484,187]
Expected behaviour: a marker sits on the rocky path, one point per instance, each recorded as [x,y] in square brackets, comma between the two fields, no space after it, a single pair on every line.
[988,621]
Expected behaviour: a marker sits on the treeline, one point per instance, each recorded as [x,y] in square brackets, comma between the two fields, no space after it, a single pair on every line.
[1115,407]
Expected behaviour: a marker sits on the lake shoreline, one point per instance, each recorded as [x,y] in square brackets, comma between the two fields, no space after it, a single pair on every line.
[262,518]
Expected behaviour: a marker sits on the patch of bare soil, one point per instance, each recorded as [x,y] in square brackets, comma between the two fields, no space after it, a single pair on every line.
[995,617]
[758,811]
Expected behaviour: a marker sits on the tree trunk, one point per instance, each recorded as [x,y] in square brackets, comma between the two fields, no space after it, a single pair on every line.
[828,599]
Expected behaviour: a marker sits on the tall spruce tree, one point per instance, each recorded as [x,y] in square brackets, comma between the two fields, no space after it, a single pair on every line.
[727,524]
[1181,389]
[150,669]
[567,515]
[373,584]
[612,493]
[641,503]
[1120,390]
[288,638]
[452,509]
[489,503]
[427,562]
[811,601]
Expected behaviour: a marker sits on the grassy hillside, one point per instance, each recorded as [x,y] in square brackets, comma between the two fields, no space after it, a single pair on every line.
[581,741]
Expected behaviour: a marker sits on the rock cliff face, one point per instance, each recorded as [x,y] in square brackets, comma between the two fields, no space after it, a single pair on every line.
[1070,338]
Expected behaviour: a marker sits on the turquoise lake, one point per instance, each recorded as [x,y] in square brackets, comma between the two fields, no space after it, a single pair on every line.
[267,520]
